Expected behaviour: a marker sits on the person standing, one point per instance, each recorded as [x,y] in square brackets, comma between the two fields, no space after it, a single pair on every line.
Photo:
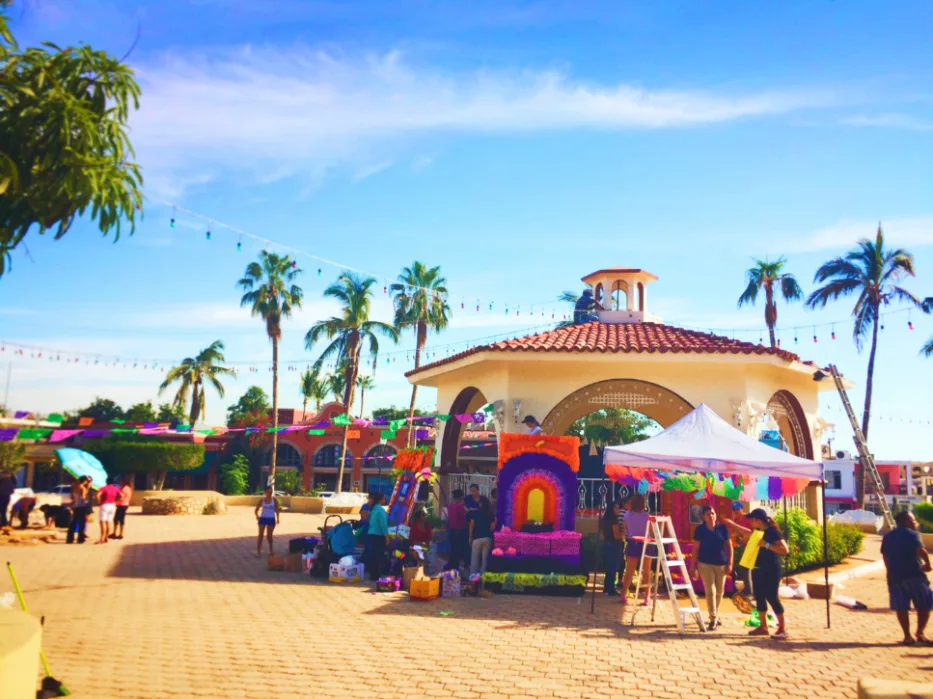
[7,487]
[769,568]
[123,504]
[636,525]
[713,559]
[107,510]
[268,515]
[906,561]
[532,424]
[481,528]
[364,526]
[80,506]
[378,536]
[457,527]
[613,544]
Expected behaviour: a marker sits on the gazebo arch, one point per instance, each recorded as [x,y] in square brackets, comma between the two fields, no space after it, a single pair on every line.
[792,423]
[657,402]
[469,400]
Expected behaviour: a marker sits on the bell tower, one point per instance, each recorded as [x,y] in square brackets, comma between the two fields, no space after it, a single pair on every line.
[623,293]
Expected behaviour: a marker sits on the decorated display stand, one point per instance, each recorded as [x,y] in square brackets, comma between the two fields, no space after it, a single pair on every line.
[414,483]
[704,455]
[536,549]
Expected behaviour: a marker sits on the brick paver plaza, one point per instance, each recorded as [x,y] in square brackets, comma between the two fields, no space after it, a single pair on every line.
[182,608]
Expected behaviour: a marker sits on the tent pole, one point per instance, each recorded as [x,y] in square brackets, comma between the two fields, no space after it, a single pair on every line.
[825,550]
[599,523]
[786,530]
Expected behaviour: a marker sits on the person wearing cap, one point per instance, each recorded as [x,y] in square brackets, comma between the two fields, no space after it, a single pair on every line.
[532,424]
[740,572]
[766,577]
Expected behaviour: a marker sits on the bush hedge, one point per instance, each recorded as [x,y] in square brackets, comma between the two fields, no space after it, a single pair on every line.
[141,454]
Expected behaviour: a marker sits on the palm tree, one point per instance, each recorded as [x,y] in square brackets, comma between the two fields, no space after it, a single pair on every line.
[927,349]
[571,298]
[313,387]
[872,271]
[337,382]
[193,373]
[364,382]
[272,295]
[766,275]
[420,297]
[348,332]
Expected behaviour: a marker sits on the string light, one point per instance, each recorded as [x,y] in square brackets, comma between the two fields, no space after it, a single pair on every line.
[171,223]
[834,332]
[239,245]
[814,334]
[208,233]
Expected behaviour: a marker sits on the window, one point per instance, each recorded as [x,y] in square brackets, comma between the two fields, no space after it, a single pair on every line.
[286,455]
[380,457]
[834,480]
[327,456]
[885,480]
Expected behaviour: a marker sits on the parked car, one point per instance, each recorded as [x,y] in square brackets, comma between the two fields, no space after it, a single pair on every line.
[64,491]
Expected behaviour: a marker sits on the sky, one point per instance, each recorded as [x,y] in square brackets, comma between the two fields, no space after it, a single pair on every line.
[518,145]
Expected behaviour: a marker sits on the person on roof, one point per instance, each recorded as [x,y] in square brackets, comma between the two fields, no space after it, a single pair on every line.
[583,309]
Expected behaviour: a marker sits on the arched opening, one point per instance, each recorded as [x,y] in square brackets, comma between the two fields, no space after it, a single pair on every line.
[286,456]
[792,423]
[641,297]
[326,460]
[468,452]
[377,469]
[651,400]
[620,292]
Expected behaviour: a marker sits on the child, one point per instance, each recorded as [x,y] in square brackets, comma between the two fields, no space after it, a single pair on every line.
[457,525]
[420,533]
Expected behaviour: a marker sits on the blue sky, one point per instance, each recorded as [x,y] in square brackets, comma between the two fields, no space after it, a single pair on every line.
[518,145]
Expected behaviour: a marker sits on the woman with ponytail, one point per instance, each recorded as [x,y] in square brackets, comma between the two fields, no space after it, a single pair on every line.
[769,568]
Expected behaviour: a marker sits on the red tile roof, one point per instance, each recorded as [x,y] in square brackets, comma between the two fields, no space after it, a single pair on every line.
[623,338]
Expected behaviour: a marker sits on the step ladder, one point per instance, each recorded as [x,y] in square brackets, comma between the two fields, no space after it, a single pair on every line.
[659,533]
[865,457]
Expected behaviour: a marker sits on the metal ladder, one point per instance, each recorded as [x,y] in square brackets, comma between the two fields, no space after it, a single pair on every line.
[865,457]
[660,533]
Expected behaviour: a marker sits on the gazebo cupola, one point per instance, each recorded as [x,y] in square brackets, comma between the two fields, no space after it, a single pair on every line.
[623,292]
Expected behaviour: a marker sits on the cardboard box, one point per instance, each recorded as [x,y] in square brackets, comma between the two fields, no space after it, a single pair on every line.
[275,562]
[410,574]
[820,591]
[293,563]
[425,589]
[340,573]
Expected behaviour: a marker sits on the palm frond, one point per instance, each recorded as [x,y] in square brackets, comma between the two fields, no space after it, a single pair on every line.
[790,289]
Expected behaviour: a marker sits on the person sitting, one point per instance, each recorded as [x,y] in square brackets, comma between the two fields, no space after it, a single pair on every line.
[420,531]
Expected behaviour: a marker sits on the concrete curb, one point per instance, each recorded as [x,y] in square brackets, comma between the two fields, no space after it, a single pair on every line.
[867,569]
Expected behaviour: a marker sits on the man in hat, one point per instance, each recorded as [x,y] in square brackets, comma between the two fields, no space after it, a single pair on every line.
[532,424]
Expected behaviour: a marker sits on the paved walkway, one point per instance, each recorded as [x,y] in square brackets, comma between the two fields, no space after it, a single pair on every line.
[182,608]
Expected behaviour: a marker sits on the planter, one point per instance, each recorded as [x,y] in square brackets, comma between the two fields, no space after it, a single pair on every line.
[191,503]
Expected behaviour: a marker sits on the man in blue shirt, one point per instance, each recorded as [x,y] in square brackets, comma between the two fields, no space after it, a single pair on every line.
[471,502]
[906,562]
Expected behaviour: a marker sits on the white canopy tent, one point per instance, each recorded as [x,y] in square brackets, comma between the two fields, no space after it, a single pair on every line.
[702,442]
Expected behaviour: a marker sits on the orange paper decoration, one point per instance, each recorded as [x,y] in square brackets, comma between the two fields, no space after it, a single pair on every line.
[353,434]
[565,449]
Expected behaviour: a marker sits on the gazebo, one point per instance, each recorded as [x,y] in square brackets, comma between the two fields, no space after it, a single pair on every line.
[627,358]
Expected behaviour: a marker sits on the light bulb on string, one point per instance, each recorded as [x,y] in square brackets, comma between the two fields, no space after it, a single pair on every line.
[477,305]
[910,325]
[319,271]
[462,305]
[385,288]
[795,336]
[239,245]
[294,264]
[171,223]
[814,334]
[207,234]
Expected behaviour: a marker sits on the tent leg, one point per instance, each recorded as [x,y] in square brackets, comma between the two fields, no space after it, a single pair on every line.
[825,551]
[786,529]
[599,513]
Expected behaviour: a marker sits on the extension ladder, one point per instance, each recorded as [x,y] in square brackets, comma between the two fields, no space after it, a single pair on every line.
[865,456]
[660,533]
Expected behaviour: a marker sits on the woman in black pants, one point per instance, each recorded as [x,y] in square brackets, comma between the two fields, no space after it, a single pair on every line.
[769,568]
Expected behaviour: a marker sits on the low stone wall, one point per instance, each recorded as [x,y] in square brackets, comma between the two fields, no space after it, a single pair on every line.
[182,503]
[311,506]
[205,495]
[242,500]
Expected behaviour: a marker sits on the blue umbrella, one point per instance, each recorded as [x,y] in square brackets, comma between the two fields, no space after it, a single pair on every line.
[79,463]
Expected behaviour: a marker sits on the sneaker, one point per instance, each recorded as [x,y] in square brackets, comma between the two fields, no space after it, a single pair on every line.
[713,624]
[780,635]
[758,632]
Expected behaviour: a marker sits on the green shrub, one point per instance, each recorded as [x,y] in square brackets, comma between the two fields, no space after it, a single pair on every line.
[923,511]
[234,476]
[128,453]
[805,541]
[288,481]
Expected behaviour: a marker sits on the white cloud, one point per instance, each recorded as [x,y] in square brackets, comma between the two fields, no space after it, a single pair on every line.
[296,111]
[890,121]
[911,231]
